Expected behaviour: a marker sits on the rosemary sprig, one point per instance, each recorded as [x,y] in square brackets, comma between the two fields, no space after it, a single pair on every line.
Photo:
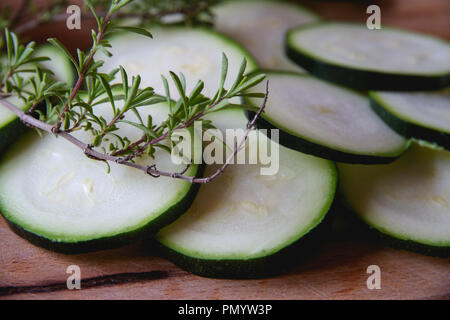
[69,109]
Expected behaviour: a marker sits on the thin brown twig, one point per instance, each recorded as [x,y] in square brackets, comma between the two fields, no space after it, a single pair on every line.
[82,74]
[130,146]
[151,170]
[250,126]
[78,123]
[186,124]
[33,107]
[113,122]
[134,144]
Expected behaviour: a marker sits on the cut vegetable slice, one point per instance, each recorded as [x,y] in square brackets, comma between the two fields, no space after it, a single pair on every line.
[419,115]
[407,202]
[328,121]
[244,224]
[386,59]
[54,196]
[10,125]
[196,52]
[260,27]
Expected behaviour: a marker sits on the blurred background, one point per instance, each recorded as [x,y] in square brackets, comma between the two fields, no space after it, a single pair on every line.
[427,16]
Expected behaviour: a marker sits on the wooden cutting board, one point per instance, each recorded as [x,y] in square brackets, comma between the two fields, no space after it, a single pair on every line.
[337,271]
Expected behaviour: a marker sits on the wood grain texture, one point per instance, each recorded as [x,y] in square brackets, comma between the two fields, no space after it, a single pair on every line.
[338,271]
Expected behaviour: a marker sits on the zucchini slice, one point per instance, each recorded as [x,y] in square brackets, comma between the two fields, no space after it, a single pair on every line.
[386,59]
[419,115]
[260,27]
[10,125]
[54,196]
[328,121]
[196,52]
[246,225]
[407,202]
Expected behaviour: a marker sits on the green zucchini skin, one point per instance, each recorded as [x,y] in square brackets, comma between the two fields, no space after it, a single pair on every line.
[308,147]
[366,80]
[363,79]
[257,268]
[114,241]
[440,252]
[408,129]
[10,132]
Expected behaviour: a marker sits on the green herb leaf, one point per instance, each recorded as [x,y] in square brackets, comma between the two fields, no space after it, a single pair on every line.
[137,30]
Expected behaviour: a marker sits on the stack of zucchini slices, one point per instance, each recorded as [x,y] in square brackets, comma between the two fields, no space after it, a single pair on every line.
[69,203]
[245,224]
[236,226]
[404,100]
[407,76]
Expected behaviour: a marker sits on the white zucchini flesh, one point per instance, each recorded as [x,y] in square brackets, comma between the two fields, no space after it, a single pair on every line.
[60,65]
[426,109]
[50,188]
[408,199]
[196,52]
[260,27]
[385,50]
[328,115]
[244,215]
